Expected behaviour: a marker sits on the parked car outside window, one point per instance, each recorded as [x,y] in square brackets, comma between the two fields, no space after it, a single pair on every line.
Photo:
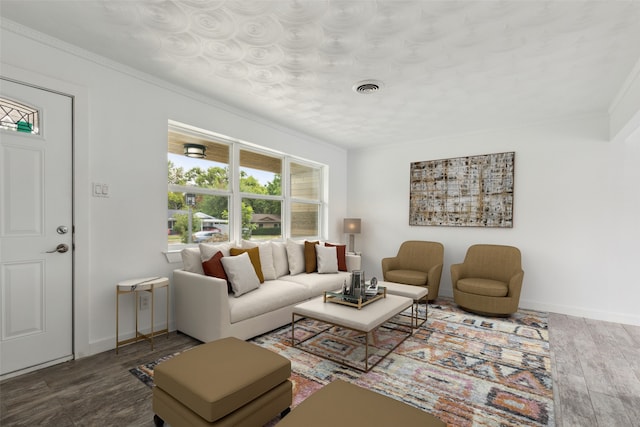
[205,236]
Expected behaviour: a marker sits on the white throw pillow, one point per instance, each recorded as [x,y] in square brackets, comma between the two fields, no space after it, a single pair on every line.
[327,259]
[280,261]
[207,250]
[191,260]
[240,273]
[295,256]
[266,258]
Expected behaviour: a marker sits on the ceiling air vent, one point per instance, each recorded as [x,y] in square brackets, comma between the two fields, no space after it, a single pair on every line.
[368,86]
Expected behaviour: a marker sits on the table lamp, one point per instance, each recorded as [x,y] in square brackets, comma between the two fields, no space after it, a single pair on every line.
[351,227]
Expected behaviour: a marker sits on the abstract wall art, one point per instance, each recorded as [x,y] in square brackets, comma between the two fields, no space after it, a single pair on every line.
[474,191]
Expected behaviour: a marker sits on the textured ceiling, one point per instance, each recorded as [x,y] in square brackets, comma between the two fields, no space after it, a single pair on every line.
[447,66]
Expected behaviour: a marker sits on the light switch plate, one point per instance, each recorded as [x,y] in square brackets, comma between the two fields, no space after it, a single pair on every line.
[100,190]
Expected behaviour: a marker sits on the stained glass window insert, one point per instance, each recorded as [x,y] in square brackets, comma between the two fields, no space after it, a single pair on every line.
[19,117]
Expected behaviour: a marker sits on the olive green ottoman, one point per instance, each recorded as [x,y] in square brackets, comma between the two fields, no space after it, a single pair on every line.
[342,404]
[228,382]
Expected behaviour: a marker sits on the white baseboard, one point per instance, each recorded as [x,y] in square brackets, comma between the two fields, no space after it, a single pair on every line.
[109,343]
[607,316]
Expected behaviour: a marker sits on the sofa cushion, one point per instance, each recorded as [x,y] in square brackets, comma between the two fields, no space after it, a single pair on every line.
[191,260]
[272,295]
[280,261]
[327,259]
[341,253]
[254,257]
[310,257]
[266,258]
[241,274]
[316,283]
[295,256]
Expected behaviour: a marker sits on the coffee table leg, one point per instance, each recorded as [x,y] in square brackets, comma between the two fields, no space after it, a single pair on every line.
[419,321]
[366,352]
[414,316]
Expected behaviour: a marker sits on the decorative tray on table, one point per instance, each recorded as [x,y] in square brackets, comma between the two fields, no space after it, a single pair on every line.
[353,301]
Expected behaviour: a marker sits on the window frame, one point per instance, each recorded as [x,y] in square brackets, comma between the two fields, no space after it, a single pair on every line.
[320,202]
[236,196]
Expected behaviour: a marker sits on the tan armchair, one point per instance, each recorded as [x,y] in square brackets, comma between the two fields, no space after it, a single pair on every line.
[489,280]
[417,263]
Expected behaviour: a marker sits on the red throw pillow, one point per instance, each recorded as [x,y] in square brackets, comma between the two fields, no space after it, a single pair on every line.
[213,267]
[341,251]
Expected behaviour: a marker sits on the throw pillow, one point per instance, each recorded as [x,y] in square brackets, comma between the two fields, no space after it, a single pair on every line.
[191,260]
[341,253]
[254,257]
[213,267]
[266,258]
[280,261]
[310,262]
[241,274]
[327,259]
[207,250]
[295,256]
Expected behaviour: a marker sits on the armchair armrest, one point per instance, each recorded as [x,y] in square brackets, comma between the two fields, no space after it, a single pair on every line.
[389,263]
[354,262]
[201,305]
[457,271]
[515,285]
[433,280]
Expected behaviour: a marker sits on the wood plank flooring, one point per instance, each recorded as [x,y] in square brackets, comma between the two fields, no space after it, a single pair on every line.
[596,373]
[92,391]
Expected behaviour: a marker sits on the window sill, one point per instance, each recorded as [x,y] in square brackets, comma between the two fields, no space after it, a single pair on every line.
[173,257]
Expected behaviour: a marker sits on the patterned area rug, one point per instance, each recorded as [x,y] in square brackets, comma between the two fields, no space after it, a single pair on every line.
[342,345]
[467,370]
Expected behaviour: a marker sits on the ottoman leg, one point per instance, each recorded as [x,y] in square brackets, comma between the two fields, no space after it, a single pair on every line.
[285,412]
[159,422]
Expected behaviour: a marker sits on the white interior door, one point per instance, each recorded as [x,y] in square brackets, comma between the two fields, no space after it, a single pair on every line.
[36,326]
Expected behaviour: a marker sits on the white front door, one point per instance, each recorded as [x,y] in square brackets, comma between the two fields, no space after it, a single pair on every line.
[35,219]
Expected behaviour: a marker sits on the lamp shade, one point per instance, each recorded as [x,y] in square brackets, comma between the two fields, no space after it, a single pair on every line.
[352,225]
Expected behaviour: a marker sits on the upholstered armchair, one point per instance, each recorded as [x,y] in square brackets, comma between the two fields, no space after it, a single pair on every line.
[417,263]
[489,280]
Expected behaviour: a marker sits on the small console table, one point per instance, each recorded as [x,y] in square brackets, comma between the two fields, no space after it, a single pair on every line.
[135,286]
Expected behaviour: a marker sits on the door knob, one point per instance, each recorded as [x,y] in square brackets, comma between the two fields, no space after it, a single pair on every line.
[61,248]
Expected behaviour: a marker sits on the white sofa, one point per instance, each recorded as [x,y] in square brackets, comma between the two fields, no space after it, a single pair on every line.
[205,310]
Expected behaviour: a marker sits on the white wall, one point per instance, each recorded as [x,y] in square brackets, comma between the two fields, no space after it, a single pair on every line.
[624,111]
[575,216]
[121,140]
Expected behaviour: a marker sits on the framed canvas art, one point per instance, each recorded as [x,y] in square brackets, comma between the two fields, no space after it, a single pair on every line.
[474,191]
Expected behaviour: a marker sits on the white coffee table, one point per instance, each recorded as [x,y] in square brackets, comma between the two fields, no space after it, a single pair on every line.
[363,320]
